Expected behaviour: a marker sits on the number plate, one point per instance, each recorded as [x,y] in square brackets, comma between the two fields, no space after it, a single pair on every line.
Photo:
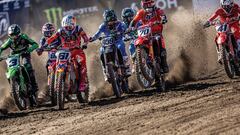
[222,28]
[13,62]
[144,31]
[52,55]
[108,42]
[63,55]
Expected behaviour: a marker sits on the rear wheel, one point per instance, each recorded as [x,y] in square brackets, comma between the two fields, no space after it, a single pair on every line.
[114,81]
[227,61]
[16,92]
[60,91]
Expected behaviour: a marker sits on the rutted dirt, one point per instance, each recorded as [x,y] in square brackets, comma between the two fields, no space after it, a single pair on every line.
[208,106]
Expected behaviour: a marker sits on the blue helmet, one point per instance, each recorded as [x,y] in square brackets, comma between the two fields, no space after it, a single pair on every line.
[128,15]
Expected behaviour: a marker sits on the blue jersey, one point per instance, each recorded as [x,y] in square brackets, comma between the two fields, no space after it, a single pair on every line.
[119,27]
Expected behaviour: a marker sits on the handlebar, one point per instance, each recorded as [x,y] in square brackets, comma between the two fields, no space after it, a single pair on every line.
[7,56]
[218,22]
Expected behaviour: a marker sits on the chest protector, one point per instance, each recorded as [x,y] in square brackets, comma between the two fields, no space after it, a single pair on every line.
[71,40]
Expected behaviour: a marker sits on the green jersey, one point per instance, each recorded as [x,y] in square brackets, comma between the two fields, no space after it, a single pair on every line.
[22,44]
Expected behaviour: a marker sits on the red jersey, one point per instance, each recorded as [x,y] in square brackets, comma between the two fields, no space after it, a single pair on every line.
[68,41]
[148,17]
[223,15]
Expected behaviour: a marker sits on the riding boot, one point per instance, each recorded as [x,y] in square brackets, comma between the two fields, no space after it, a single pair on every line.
[34,88]
[127,66]
[33,81]
[238,48]
[157,83]
[164,63]
[104,72]
[133,62]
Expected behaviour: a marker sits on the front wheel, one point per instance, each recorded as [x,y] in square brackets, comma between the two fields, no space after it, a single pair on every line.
[143,68]
[227,61]
[17,94]
[60,94]
[51,89]
[114,81]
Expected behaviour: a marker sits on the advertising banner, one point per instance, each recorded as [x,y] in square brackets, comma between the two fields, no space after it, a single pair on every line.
[12,11]
[207,6]
[89,13]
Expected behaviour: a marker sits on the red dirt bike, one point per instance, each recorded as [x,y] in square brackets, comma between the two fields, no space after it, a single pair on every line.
[227,46]
[51,72]
[67,78]
[146,64]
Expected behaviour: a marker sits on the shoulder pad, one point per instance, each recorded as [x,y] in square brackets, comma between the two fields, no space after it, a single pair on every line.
[24,35]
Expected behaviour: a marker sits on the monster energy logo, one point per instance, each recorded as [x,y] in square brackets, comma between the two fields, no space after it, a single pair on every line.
[54,15]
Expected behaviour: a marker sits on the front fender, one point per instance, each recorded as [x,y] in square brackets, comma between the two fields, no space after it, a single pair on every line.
[221,39]
[12,72]
[61,67]
[141,41]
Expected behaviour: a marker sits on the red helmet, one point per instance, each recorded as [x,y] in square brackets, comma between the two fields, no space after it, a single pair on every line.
[146,4]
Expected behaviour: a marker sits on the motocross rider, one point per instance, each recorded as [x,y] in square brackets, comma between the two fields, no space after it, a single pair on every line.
[48,30]
[228,10]
[70,35]
[110,26]
[127,17]
[151,14]
[20,43]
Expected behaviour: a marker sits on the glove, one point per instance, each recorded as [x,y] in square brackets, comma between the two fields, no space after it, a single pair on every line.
[84,46]
[39,51]
[164,19]
[130,29]
[91,39]
[207,24]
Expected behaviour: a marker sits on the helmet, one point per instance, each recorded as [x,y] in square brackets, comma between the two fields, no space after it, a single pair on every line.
[148,4]
[69,22]
[14,31]
[48,29]
[128,15]
[110,16]
[227,5]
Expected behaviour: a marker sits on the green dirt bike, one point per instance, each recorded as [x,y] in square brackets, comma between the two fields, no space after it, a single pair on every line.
[20,82]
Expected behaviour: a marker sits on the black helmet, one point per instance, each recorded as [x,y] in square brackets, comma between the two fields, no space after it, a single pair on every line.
[14,31]
[109,16]
[128,15]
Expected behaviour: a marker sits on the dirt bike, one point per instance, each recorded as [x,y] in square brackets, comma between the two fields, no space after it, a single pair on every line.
[51,72]
[226,46]
[146,64]
[143,82]
[67,78]
[18,77]
[115,71]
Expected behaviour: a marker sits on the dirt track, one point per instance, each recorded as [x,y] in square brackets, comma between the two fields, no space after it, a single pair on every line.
[208,106]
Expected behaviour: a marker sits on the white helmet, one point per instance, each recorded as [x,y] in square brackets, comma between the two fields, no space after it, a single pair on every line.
[69,22]
[227,5]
